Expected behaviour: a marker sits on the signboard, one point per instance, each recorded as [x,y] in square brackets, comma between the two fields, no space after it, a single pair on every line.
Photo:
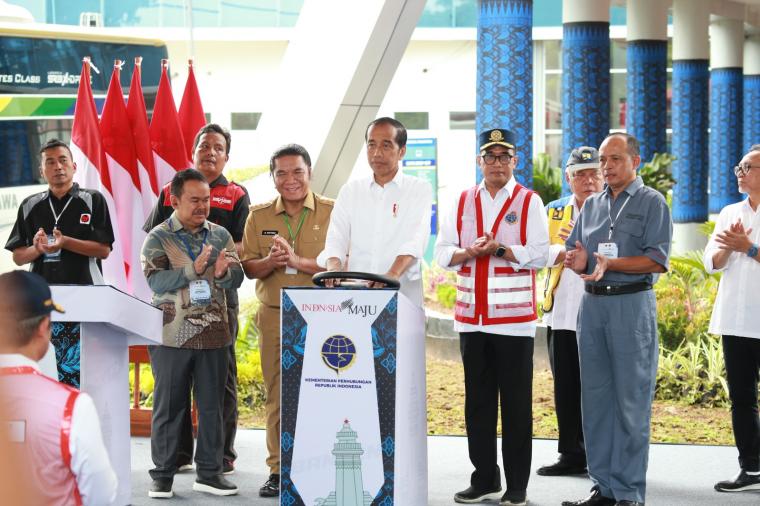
[421,160]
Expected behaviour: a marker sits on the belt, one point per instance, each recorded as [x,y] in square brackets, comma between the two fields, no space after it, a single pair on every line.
[618,289]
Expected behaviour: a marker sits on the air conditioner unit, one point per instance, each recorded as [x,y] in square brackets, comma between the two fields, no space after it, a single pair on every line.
[91,19]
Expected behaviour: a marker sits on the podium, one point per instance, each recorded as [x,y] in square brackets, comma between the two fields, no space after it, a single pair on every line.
[110,322]
[353,407]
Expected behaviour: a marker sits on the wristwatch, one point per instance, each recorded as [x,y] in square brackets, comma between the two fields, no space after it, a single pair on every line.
[751,252]
[501,250]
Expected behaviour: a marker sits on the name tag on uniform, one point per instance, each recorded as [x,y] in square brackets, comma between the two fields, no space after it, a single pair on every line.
[270,233]
[200,292]
[16,431]
[52,257]
[608,249]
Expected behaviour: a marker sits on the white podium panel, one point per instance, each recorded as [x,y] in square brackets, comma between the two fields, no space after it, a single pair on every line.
[110,322]
[353,416]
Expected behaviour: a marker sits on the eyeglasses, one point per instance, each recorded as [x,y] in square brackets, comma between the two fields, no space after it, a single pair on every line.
[503,158]
[590,175]
[743,170]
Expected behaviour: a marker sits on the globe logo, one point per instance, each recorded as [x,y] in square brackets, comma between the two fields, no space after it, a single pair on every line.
[338,353]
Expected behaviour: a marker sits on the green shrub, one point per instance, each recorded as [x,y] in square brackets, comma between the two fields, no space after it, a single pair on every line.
[447,295]
[438,285]
[547,180]
[657,174]
[693,373]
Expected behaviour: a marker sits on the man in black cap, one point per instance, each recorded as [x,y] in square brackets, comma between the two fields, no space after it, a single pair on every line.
[495,237]
[54,427]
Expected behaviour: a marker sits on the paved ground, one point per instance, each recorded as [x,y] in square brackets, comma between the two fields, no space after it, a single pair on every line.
[678,475]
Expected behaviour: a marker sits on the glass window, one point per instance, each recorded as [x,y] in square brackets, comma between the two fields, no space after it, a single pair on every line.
[437,13]
[617,99]
[245,120]
[413,120]
[465,13]
[618,53]
[553,54]
[554,148]
[553,91]
[462,120]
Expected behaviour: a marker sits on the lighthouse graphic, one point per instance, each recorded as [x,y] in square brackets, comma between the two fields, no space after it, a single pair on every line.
[349,488]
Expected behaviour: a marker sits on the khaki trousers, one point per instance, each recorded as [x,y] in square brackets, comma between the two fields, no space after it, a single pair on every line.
[268,323]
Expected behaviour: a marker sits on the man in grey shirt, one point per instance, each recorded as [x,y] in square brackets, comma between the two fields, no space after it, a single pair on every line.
[620,242]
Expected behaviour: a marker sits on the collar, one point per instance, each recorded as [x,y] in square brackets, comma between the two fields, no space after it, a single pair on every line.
[279,207]
[17,360]
[220,181]
[72,191]
[509,187]
[175,225]
[631,189]
[398,179]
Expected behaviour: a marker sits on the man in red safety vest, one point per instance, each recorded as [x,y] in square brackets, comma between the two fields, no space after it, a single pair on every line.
[54,428]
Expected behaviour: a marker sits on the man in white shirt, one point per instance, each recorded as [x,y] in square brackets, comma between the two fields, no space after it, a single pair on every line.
[495,236]
[562,298]
[733,250]
[55,427]
[381,224]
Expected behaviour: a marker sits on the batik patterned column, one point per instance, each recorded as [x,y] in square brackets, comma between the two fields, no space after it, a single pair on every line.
[505,76]
[585,86]
[690,120]
[726,118]
[751,92]
[646,105]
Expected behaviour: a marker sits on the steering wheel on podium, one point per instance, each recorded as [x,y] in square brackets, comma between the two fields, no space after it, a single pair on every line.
[320,278]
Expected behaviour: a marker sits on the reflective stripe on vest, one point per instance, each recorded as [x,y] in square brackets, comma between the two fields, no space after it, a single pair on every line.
[489,290]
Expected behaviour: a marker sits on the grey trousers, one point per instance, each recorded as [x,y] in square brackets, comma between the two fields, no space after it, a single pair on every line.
[176,371]
[618,351]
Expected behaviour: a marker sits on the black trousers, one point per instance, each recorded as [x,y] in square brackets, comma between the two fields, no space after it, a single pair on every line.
[176,371]
[566,371]
[230,410]
[498,368]
[742,355]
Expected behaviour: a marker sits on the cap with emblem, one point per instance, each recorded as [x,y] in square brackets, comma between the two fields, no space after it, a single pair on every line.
[24,294]
[497,136]
[582,158]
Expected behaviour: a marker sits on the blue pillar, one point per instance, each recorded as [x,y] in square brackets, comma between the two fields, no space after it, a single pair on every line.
[585,86]
[725,135]
[751,111]
[505,76]
[646,104]
[690,121]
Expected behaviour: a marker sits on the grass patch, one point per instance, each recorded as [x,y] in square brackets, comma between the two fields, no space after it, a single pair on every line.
[672,422]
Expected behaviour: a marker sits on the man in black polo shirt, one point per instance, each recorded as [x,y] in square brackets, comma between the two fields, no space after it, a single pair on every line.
[64,232]
[229,208]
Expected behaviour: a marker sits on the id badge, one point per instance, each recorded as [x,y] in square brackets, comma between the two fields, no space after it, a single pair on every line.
[290,270]
[608,249]
[200,292]
[52,257]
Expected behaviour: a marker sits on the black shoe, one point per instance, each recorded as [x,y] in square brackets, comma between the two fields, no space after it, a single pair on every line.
[629,503]
[472,495]
[272,487]
[595,499]
[741,481]
[228,467]
[217,485]
[561,468]
[512,498]
[161,488]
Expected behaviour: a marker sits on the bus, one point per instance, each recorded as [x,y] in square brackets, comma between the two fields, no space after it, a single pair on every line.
[40,66]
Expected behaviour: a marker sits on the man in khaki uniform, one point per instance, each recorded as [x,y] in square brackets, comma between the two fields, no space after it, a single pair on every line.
[281,241]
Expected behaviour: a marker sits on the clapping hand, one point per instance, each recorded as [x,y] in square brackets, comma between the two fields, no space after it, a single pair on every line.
[40,241]
[201,261]
[577,259]
[285,247]
[278,257]
[223,262]
[734,238]
[602,263]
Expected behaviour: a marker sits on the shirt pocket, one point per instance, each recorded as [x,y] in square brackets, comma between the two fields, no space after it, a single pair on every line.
[633,228]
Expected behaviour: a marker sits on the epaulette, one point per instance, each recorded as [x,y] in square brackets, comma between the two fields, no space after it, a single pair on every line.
[261,205]
[324,200]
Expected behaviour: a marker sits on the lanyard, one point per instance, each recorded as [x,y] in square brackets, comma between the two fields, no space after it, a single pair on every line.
[190,249]
[609,213]
[298,229]
[58,216]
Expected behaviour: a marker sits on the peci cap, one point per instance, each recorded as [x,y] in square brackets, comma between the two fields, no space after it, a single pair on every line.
[496,136]
[25,295]
[582,158]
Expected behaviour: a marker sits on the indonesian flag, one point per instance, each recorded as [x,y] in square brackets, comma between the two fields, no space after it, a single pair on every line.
[138,120]
[169,153]
[191,117]
[121,157]
[92,170]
